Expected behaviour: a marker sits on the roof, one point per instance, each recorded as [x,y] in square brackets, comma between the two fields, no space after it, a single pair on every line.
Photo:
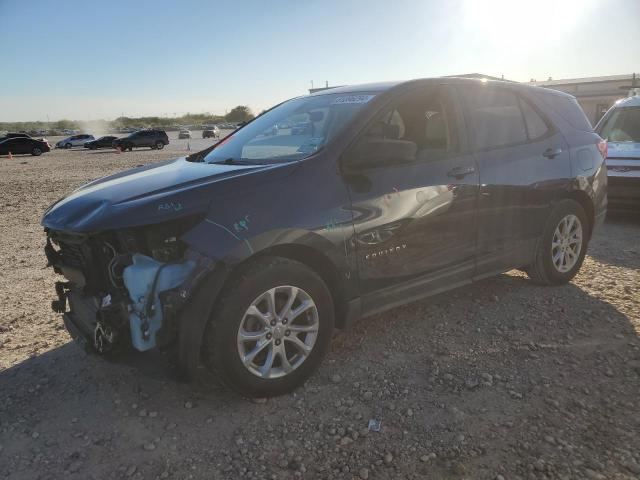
[629,102]
[571,81]
[365,87]
[384,86]
[479,76]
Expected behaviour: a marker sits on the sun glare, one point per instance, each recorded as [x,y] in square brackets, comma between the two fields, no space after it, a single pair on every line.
[523,23]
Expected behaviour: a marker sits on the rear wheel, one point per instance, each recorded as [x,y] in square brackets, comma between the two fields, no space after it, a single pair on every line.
[563,245]
[270,329]
[159,145]
[36,151]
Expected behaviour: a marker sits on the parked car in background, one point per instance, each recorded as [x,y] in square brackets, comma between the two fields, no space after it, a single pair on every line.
[142,138]
[74,141]
[211,132]
[184,134]
[620,126]
[19,145]
[247,255]
[102,142]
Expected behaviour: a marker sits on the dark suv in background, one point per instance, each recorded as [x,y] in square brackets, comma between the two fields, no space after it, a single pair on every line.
[245,256]
[143,138]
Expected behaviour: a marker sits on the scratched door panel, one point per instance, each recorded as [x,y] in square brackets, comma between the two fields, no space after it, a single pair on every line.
[416,216]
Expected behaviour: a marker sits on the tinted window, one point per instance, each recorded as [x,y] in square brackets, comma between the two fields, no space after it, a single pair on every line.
[622,126]
[569,109]
[496,118]
[536,127]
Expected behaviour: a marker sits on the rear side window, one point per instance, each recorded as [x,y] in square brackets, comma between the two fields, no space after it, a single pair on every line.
[496,117]
[536,126]
[623,125]
[570,110]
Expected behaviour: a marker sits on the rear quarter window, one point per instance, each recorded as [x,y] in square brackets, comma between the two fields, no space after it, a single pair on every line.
[570,110]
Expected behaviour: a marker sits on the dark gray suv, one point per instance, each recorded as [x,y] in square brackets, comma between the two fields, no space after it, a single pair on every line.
[143,138]
[245,256]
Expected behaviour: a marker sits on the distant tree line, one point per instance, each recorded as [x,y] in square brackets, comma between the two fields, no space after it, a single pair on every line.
[241,113]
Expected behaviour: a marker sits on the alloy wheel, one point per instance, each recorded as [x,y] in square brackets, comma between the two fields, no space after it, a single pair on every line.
[278,332]
[566,244]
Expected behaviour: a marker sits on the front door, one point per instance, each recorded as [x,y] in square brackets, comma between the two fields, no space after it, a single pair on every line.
[414,198]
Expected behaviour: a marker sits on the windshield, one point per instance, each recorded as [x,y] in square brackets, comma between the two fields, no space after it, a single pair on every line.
[623,125]
[291,131]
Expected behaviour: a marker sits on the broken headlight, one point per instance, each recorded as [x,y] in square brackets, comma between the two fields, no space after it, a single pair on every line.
[160,241]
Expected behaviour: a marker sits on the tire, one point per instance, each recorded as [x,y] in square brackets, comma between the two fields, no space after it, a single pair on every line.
[36,151]
[223,347]
[159,145]
[546,271]
[67,145]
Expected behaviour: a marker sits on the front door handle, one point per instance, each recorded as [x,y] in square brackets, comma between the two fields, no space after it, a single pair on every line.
[552,152]
[461,172]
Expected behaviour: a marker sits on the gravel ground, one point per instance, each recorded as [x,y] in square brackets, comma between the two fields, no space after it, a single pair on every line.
[501,380]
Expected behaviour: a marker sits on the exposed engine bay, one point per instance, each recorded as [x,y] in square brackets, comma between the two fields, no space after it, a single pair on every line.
[124,288]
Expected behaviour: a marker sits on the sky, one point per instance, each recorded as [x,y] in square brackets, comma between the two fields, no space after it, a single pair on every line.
[89,60]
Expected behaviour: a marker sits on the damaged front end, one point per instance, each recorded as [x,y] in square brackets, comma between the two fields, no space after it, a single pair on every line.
[124,288]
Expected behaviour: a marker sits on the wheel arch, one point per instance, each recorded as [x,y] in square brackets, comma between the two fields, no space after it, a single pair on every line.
[322,265]
[196,314]
[586,203]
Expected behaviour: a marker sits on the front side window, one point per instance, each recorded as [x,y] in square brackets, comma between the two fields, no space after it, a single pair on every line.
[293,130]
[420,128]
[496,118]
[622,126]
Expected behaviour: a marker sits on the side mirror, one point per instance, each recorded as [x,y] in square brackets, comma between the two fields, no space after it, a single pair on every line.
[382,153]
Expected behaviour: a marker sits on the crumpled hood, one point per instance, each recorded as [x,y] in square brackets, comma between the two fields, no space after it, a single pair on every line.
[141,196]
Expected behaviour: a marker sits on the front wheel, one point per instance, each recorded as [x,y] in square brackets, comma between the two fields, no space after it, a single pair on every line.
[563,245]
[67,145]
[36,151]
[270,329]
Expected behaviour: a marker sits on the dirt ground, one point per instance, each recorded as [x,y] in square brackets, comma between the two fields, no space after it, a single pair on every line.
[502,380]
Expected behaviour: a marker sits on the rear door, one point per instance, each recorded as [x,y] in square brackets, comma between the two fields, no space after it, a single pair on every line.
[414,217]
[524,166]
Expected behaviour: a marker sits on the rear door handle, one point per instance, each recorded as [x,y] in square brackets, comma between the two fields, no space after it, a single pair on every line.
[552,152]
[460,172]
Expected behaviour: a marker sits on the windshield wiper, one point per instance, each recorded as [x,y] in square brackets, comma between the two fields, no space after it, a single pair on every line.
[233,161]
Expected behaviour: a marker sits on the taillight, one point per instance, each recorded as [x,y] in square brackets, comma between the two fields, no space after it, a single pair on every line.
[603,148]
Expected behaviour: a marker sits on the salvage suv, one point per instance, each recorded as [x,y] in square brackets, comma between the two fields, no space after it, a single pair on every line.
[247,255]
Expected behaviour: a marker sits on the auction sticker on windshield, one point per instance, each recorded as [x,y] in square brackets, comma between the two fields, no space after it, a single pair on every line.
[347,99]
